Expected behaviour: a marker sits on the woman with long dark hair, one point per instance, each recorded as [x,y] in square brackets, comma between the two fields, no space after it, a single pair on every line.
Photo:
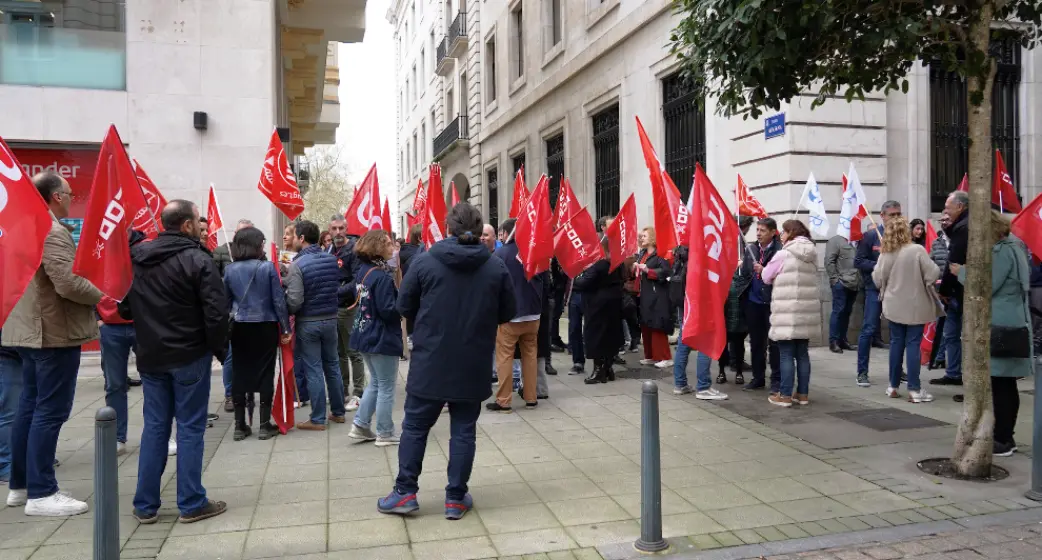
[918,229]
[602,312]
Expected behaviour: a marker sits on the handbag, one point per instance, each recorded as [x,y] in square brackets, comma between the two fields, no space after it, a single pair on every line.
[235,304]
[1012,342]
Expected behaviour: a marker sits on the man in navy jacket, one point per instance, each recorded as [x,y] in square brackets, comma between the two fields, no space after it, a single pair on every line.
[865,261]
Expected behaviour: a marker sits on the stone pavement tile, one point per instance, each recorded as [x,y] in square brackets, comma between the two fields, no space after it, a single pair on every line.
[239,496]
[934,502]
[432,526]
[876,501]
[269,516]
[1002,502]
[769,533]
[621,484]
[981,507]
[605,533]
[232,520]
[587,510]
[532,542]
[79,530]
[514,519]
[727,538]
[301,457]
[488,458]
[550,470]
[813,529]
[501,474]
[672,503]
[585,450]
[34,533]
[220,477]
[873,521]
[932,513]
[835,483]
[690,475]
[616,433]
[367,533]
[294,492]
[705,542]
[717,496]
[833,525]
[778,490]
[265,543]
[352,509]
[567,489]
[369,486]
[1009,549]
[226,546]
[505,495]
[952,511]
[765,450]
[883,553]
[78,551]
[459,549]
[749,536]
[894,518]
[800,464]
[360,469]
[703,454]
[792,531]
[393,552]
[582,554]
[681,524]
[748,470]
[534,454]
[748,517]
[603,468]
[553,425]
[912,548]
[16,553]
[914,516]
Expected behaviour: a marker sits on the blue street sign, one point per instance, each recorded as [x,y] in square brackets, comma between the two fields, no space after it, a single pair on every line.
[774,126]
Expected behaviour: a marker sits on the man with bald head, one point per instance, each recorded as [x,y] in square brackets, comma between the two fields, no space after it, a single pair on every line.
[47,327]
[488,238]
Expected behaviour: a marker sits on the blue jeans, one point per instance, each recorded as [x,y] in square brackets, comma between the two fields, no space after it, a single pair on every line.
[318,351]
[116,342]
[226,372]
[10,394]
[842,306]
[953,340]
[420,416]
[703,380]
[794,352]
[300,376]
[378,396]
[869,328]
[49,387]
[575,329]
[181,393]
[905,340]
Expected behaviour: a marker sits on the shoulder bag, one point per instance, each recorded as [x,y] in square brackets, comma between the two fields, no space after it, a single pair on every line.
[1012,342]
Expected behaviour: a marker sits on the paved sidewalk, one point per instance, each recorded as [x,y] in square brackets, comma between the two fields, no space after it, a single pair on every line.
[561,481]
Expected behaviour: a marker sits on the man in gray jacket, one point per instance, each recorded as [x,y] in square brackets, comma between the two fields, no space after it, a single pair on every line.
[845,281]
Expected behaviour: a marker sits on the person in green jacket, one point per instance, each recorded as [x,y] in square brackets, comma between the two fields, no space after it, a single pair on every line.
[1010,283]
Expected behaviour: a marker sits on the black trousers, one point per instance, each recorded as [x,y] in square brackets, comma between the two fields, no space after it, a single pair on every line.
[1006,401]
[734,352]
[758,318]
[555,325]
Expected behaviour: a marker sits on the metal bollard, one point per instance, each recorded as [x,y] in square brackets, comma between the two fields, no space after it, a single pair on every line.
[1036,444]
[650,473]
[106,486]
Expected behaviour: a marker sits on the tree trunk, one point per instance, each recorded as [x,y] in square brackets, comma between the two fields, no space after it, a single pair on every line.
[973,441]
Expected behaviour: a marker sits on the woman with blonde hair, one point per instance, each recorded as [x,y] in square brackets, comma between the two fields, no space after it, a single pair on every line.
[905,275]
[656,314]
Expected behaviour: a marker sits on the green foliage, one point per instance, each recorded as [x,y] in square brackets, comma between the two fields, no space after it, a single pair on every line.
[756,54]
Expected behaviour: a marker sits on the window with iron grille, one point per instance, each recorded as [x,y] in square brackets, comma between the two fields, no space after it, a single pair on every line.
[555,165]
[492,178]
[949,132]
[519,160]
[685,129]
[606,162]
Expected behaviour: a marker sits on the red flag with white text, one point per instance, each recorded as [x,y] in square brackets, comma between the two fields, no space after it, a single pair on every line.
[1027,226]
[419,200]
[576,244]
[435,212]
[712,259]
[214,221]
[1002,192]
[277,181]
[678,210]
[365,213]
[534,231]
[147,219]
[747,203]
[520,193]
[103,253]
[567,205]
[25,222]
[622,233]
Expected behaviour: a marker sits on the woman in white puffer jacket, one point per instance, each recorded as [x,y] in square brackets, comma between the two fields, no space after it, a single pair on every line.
[795,310]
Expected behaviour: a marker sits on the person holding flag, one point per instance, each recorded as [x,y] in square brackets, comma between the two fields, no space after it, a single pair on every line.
[602,310]
[47,327]
[656,315]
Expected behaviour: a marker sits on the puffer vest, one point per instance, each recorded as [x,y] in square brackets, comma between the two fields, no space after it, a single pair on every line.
[321,276]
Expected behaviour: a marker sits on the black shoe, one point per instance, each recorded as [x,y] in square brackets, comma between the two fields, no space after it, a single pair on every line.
[739,379]
[746,366]
[633,346]
[878,344]
[550,370]
[496,407]
[754,385]
[544,397]
[618,360]
[610,373]
[846,345]
[531,405]
[1001,449]
[946,381]
[133,382]
[577,369]
[557,347]
[721,378]
[957,398]
[598,376]
[834,348]
[242,432]
[267,430]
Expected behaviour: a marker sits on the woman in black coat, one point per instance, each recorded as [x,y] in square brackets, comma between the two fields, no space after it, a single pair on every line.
[656,312]
[602,313]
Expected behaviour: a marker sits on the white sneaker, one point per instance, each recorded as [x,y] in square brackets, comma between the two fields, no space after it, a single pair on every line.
[171,447]
[386,441]
[646,362]
[121,448]
[892,393]
[711,394]
[55,505]
[664,364]
[683,390]
[919,396]
[17,498]
[353,404]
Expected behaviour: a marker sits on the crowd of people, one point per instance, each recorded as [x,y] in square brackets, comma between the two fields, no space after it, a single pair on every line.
[467,318]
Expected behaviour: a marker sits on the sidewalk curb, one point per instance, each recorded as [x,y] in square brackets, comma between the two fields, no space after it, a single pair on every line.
[888,535]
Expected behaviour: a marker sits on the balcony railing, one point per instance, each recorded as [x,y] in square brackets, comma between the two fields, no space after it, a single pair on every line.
[457,36]
[444,63]
[455,134]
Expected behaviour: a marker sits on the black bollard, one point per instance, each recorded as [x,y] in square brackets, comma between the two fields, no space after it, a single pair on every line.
[650,473]
[106,486]
[1036,444]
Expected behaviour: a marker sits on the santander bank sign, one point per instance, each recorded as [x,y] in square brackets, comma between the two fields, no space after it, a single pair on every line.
[75,165]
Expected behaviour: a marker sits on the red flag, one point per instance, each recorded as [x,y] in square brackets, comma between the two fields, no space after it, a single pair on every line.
[520,193]
[411,220]
[435,212]
[419,201]
[665,213]
[534,231]
[856,231]
[25,222]
[1027,225]
[214,222]
[931,235]
[285,385]
[387,215]
[711,263]
[576,244]
[926,345]
[1002,192]
[455,195]
[365,213]
[277,181]
[964,185]
[567,205]
[622,233]
[103,254]
[747,203]
[147,219]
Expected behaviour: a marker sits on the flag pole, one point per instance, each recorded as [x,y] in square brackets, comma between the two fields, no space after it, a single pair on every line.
[802,195]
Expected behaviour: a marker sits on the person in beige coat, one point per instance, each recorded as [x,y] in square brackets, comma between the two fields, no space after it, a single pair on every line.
[905,275]
[795,310]
[47,327]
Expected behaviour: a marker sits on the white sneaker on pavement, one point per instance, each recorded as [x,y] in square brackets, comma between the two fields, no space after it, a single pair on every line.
[892,393]
[386,441]
[711,394]
[17,498]
[171,447]
[683,390]
[646,362]
[919,396]
[664,364]
[55,505]
[121,448]
[352,404]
